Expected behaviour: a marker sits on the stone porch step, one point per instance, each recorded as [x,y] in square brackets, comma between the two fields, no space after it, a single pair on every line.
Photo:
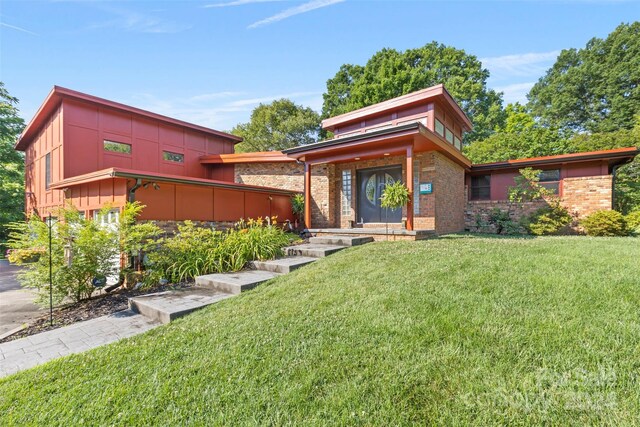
[283,265]
[312,250]
[235,283]
[169,305]
[341,240]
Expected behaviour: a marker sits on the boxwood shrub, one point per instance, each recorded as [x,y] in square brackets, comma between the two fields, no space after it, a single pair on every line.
[605,223]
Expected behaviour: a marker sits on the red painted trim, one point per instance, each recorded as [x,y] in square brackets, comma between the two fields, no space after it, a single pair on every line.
[152,176]
[58,93]
[410,187]
[307,195]
[258,157]
[399,102]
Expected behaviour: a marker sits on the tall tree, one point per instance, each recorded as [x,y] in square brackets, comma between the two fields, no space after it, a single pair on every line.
[390,73]
[11,164]
[277,126]
[595,89]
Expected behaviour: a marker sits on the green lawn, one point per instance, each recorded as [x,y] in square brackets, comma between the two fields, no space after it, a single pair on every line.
[451,331]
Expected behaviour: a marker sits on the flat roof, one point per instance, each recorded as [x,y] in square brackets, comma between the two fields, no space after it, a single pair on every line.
[153,176]
[256,157]
[59,93]
[395,103]
[621,154]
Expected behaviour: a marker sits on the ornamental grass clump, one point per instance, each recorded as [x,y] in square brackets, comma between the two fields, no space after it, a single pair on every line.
[195,251]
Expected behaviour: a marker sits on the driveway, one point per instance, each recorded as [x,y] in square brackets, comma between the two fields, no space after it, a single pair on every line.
[16,304]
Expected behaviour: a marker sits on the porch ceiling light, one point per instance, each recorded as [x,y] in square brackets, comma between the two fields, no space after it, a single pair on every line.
[386,154]
[357,158]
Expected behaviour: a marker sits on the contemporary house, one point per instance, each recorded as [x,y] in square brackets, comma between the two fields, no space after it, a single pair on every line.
[89,151]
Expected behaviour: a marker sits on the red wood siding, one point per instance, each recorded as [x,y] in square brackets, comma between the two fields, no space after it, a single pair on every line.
[87,125]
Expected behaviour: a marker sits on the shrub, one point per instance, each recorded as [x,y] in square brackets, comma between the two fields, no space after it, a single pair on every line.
[633,221]
[605,223]
[94,252]
[297,205]
[24,256]
[195,251]
[503,223]
[549,219]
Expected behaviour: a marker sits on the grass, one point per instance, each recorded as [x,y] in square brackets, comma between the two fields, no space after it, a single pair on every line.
[461,330]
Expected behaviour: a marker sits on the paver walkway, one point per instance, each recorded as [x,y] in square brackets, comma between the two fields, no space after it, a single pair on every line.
[36,349]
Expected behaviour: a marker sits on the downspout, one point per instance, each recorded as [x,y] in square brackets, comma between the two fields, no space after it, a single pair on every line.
[132,191]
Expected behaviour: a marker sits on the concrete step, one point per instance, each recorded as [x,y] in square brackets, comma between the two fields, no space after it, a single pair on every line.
[312,250]
[169,305]
[341,240]
[234,283]
[283,265]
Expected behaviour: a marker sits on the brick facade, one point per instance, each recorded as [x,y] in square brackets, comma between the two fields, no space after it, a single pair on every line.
[580,196]
[442,211]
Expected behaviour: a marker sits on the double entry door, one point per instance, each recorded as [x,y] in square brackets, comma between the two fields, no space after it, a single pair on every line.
[371,182]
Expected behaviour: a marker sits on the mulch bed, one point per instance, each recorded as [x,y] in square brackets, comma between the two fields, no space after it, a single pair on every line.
[95,307]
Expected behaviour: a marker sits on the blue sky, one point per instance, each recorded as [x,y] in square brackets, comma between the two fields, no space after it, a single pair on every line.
[211,62]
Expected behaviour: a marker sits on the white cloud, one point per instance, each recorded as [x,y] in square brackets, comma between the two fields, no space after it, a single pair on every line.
[519,65]
[516,92]
[293,11]
[240,3]
[15,27]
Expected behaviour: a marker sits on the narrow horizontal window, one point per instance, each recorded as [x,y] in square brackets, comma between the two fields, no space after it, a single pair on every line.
[439,128]
[480,187]
[173,157]
[117,147]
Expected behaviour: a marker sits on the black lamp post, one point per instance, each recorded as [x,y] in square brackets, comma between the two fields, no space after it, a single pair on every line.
[50,225]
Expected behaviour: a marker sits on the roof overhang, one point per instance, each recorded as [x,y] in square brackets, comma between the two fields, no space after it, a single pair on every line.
[392,141]
[58,93]
[112,173]
[422,96]
[613,157]
[258,157]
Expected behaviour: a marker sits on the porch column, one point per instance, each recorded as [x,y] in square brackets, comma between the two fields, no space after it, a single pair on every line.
[410,187]
[307,195]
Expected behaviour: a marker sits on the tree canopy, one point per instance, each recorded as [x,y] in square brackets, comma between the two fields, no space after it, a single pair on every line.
[390,73]
[12,163]
[276,126]
[595,89]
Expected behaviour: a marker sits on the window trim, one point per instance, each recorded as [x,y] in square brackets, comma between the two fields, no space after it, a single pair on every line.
[471,188]
[164,159]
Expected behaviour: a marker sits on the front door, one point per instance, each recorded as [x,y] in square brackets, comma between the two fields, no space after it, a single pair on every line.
[371,182]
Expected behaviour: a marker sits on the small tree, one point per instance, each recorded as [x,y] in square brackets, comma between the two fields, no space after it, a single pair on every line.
[394,196]
[136,238]
[297,206]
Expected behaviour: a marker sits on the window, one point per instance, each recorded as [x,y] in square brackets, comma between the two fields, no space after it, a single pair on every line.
[481,187]
[173,157]
[448,135]
[439,128]
[47,171]
[117,147]
[550,179]
[346,192]
[110,217]
[457,142]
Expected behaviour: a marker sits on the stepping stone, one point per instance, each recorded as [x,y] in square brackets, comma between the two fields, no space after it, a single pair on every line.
[234,283]
[341,240]
[169,305]
[283,265]
[312,250]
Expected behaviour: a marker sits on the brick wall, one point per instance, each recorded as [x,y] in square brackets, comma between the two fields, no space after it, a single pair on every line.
[585,195]
[290,176]
[580,196]
[450,193]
